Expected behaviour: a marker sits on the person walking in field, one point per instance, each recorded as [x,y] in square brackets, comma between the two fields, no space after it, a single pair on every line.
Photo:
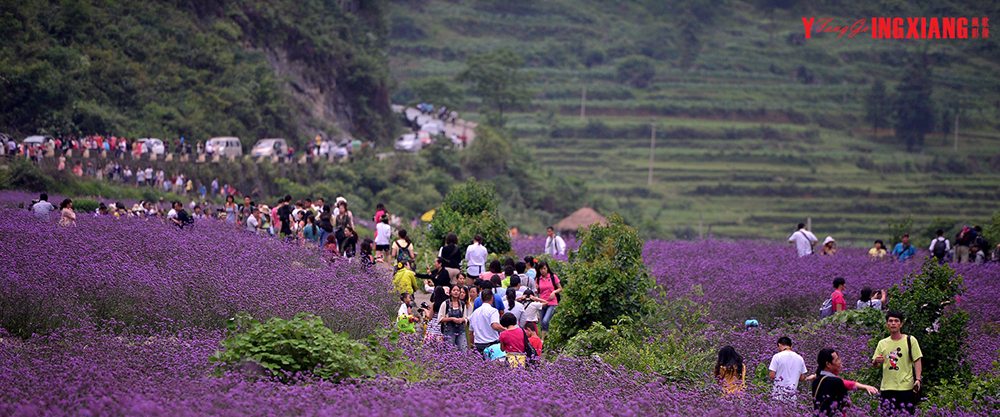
[904,250]
[940,247]
[829,391]
[786,370]
[803,240]
[899,356]
[554,245]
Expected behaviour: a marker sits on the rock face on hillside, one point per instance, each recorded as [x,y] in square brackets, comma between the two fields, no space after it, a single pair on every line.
[323,108]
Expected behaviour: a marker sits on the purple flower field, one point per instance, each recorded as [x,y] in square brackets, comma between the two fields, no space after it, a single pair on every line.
[128,311]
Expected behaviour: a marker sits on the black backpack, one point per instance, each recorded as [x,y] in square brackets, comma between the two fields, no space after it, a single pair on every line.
[939,249]
[984,245]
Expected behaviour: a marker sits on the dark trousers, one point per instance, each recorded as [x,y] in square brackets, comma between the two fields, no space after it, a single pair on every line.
[480,347]
[894,401]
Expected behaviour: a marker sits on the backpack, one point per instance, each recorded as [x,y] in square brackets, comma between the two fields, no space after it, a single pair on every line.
[939,249]
[529,350]
[403,256]
[983,244]
[963,236]
[826,310]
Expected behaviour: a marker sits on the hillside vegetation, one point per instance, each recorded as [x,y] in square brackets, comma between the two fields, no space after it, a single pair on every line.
[166,68]
[757,127]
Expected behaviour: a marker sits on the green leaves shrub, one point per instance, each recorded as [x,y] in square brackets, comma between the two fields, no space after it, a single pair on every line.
[468,210]
[301,345]
[606,279]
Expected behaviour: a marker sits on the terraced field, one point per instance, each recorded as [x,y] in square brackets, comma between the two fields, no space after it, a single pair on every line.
[758,134]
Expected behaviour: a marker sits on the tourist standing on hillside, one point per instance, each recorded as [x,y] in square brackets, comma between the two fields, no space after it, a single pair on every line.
[829,391]
[786,370]
[904,250]
[43,207]
[67,217]
[837,297]
[325,224]
[438,277]
[452,258]
[963,241]
[350,244]
[527,281]
[247,209]
[402,250]
[284,214]
[230,209]
[343,220]
[803,240]
[383,233]
[554,245]
[899,356]
[548,290]
[475,258]
[730,371]
[940,247]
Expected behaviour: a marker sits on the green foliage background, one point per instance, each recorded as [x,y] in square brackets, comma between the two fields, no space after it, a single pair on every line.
[187,69]
[468,210]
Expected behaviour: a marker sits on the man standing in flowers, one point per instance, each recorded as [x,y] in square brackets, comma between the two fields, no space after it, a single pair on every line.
[787,369]
[899,356]
[803,240]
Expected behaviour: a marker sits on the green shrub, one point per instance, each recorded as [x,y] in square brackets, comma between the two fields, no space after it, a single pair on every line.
[301,345]
[897,230]
[992,231]
[669,342]
[978,392]
[607,278]
[635,70]
[28,176]
[468,210]
[926,299]
[85,205]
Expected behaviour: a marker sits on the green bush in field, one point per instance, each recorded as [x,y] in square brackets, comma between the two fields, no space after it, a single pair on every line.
[929,316]
[896,230]
[301,345]
[24,175]
[468,210]
[85,205]
[635,70]
[607,279]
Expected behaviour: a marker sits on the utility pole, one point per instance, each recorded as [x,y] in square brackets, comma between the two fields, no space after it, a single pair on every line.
[652,148]
[809,223]
[700,225]
[583,104]
[956,132]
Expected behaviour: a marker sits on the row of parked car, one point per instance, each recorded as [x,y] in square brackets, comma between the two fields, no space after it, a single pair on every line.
[224,146]
[425,128]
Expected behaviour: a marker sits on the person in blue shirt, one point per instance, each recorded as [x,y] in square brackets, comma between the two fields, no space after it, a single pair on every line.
[497,299]
[904,250]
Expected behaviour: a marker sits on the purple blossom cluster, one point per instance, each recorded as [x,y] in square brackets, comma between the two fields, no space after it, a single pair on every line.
[128,312]
[535,245]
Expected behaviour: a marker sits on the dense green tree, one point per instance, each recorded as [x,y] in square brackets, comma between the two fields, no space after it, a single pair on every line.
[877,106]
[497,78]
[468,210]
[635,70]
[487,156]
[607,279]
[913,108]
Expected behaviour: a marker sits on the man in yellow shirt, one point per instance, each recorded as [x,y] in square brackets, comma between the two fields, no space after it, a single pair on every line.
[900,358]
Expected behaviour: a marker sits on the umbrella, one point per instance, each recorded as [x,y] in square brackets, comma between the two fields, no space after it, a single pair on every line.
[428,216]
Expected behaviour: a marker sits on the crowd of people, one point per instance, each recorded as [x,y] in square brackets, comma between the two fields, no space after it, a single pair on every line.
[970,246]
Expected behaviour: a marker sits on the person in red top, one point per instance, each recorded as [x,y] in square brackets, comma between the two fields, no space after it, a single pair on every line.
[532,330]
[512,339]
[838,295]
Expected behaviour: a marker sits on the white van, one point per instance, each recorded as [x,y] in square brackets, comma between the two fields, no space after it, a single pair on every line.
[225,146]
[269,147]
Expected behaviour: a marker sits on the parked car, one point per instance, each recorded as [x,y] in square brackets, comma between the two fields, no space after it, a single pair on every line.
[408,143]
[225,146]
[152,145]
[36,140]
[433,128]
[269,147]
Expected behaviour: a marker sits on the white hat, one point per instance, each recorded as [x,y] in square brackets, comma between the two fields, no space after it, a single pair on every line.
[828,240]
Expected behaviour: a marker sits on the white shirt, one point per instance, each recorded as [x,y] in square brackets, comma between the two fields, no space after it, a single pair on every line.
[555,245]
[382,233]
[947,244]
[804,240]
[480,322]
[42,208]
[476,255]
[252,223]
[517,310]
[787,367]
[171,214]
[531,312]
[403,311]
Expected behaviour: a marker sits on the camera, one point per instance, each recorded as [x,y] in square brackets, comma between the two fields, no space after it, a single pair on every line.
[424,305]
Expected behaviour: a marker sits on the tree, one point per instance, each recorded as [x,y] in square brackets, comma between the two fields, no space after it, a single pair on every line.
[468,210]
[487,156]
[913,108]
[690,26]
[607,279]
[497,78]
[635,70]
[438,91]
[877,107]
